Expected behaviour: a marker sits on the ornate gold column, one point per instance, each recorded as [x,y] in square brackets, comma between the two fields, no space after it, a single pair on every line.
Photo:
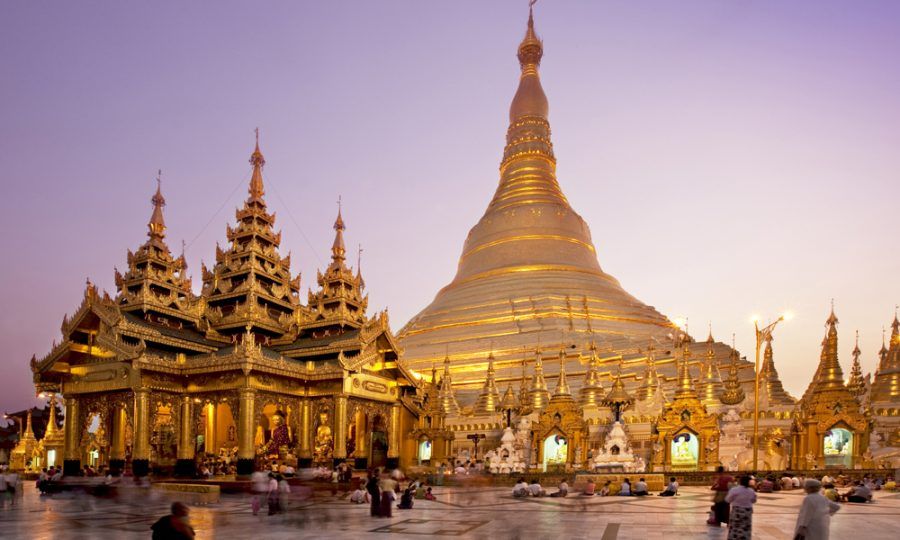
[212,414]
[185,465]
[393,453]
[140,455]
[117,435]
[71,427]
[362,435]
[305,428]
[246,452]
[340,428]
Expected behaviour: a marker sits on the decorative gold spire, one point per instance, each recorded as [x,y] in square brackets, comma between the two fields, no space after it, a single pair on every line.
[446,396]
[829,374]
[710,382]
[338,251]
[771,384]
[524,387]
[618,398]
[591,392]
[509,401]
[886,384]
[29,429]
[733,393]
[538,393]
[530,99]
[856,384]
[489,398]
[257,190]
[650,381]
[562,386]
[685,384]
[157,224]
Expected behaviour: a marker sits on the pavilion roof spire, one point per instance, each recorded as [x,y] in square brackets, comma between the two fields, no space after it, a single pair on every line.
[857,383]
[770,380]
[338,250]
[685,384]
[257,190]
[157,224]
[829,374]
[489,398]
[562,385]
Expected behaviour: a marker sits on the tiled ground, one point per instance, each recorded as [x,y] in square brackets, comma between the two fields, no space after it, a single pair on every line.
[461,513]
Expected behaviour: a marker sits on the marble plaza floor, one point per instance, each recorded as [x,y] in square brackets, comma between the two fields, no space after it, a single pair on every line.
[480,512]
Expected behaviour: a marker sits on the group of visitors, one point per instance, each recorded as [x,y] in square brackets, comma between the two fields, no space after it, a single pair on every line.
[209,468]
[733,505]
[382,489]
[626,489]
[271,487]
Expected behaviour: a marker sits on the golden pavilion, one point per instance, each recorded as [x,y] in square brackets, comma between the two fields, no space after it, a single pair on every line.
[157,376]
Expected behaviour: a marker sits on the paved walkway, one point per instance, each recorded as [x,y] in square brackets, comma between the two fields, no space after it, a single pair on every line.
[458,512]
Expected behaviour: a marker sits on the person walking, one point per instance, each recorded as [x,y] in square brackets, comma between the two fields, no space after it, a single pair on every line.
[741,499]
[720,507]
[814,520]
[388,493]
[374,494]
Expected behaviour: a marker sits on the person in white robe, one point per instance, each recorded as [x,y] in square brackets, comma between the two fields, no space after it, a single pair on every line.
[815,513]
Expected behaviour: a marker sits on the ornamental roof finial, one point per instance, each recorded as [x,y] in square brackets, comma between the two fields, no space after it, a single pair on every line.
[338,250]
[157,225]
[257,189]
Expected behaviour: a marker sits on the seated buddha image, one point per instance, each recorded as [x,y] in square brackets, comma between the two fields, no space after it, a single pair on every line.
[324,446]
[280,435]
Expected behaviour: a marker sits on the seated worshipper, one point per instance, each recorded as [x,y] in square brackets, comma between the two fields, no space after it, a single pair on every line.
[671,490]
[766,486]
[795,482]
[174,525]
[563,489]
[420,490]
[359,496]
[640,488]
[535,489]
[827,480]
[890,485]
[625,489]
[858,494]
[589,488]
[460,469]
[406,499]
[814,519]
[429,496]
[520,489]
[786,482]
[604,491]
[831,494]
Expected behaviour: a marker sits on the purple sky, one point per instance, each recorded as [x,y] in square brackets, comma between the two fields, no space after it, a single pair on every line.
[731,158]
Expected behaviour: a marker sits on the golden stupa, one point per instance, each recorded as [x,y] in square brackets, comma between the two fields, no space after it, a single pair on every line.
[529,272]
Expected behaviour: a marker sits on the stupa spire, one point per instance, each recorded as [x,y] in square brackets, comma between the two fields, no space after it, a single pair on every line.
[257,190]
[769,377]
[157,224]
[489,398]
[828,374]
[562,385]
[732,393]
[538,393]
[856,384]
[618,398]
[886,384]
[446,397]
[710,382]
[685,384]
[591,392]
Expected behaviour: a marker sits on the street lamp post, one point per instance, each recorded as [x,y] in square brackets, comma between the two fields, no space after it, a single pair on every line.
[762,334]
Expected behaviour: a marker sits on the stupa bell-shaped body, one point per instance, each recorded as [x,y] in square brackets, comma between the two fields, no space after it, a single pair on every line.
[529,265]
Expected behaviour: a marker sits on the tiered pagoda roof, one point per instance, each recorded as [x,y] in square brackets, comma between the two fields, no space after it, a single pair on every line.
[886,384]
[770,384]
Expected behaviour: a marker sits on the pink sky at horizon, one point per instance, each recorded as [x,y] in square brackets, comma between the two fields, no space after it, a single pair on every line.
[731,158]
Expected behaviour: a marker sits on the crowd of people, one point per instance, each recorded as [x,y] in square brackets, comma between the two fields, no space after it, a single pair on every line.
[733,500]
[382,488]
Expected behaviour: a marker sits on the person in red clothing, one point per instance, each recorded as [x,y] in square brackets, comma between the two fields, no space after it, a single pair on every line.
[720,507]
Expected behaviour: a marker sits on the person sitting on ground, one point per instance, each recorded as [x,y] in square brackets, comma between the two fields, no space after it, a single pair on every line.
[406,499]
[459,469]
[421,489]
[360,496]
[625,489]
[563,489]
[826,479]
[520,489]
[858,493]
[174,526]
[831,494]
[786,483]
[890,484]
[766,486]
[604,491]
[535,489]
[795,482]
[671,489]
[640,488]
[589,487]
[429,496]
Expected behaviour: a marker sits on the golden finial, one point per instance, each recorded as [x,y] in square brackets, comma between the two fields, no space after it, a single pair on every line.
[157,225]
[257,190]
[337,248]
